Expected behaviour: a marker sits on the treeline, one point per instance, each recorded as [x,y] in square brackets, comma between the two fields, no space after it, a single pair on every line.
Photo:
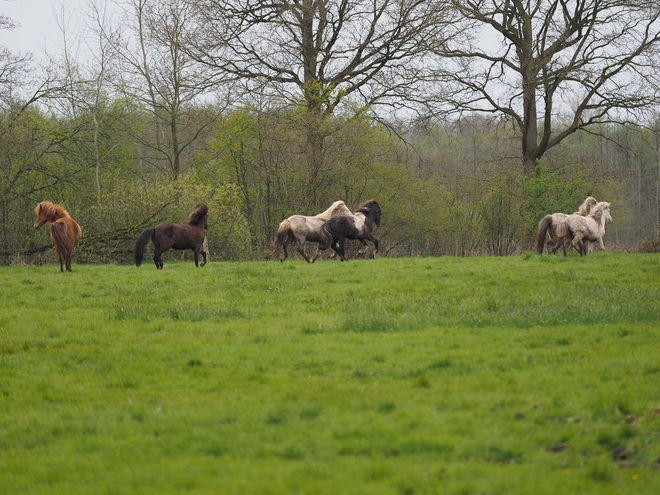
[447,190]
[282,108]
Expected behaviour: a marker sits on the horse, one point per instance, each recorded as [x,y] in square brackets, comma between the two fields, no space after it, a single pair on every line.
[64,231]
[580,228]
[186,235]
[548,224]
[303,228]
[358,226]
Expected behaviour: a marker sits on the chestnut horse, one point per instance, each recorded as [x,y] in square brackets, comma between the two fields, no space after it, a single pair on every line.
[186,235]
[64,231]
[358,226]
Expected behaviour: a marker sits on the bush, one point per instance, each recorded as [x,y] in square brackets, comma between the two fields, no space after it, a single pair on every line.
[651,245]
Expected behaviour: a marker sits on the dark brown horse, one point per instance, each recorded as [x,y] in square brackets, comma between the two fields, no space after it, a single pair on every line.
[358,226]
[186,235]
[64,231]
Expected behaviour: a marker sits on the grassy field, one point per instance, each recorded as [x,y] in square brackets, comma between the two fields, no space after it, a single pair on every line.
[518,375]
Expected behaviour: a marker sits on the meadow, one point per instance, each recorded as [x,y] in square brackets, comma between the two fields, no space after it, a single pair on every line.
[517,375]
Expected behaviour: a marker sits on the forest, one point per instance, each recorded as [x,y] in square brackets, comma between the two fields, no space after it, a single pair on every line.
[467,121]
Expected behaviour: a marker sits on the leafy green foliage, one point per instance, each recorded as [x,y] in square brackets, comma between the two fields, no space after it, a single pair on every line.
[524,374]
[552,191]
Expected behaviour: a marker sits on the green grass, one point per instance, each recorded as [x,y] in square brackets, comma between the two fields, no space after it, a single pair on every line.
[388,376]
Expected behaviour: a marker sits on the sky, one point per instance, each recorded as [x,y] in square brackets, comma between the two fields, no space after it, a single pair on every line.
[38,29]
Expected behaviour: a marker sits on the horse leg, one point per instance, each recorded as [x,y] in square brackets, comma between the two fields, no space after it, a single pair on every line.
[67,260]
[365,247]
[157,260]
[371,238]
[577,245]
[196,253]
[339,247]
[317,255]
[203,253]
[284,245]
[60,258]
[301,250]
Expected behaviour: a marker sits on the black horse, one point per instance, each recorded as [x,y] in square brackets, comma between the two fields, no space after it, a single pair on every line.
[186,235]
[358,226]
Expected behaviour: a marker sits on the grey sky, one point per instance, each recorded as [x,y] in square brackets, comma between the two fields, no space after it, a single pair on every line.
[38,29]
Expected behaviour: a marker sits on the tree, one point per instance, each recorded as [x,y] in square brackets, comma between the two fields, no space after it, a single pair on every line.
[156,72]
[321,53]
[553,66]
[24,141]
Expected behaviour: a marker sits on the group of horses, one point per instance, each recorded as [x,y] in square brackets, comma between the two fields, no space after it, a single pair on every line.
[330,228]
[579,230]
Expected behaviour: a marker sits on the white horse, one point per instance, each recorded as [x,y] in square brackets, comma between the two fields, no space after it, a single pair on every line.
[586,228]
[302,228]
[548,224]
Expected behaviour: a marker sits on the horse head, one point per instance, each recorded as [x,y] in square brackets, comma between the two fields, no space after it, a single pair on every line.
[606,212]
[48,212]
[372,210]
[200,212]
[602,212]
[586,207]
[41,216]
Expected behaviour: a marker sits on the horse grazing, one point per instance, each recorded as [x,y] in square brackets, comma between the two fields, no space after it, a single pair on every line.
[186,235]
[358,226]
[64,231]
[580,228]
[548,225]
[302,228]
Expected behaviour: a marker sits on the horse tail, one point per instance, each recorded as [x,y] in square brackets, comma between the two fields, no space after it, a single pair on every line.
[544,225]
[282,233]
[325,237]
[141,243]
[60,239]
[562,229]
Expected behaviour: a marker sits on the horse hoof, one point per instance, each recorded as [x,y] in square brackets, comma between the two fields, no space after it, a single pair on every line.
[202,264]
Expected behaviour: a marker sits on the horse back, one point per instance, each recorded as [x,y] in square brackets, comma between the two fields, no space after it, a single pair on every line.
[178,235]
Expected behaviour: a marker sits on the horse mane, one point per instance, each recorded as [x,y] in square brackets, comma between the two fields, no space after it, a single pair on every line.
[368,206]
[586,207]
[51,210]
[597,211]
[334,209]
[200,210]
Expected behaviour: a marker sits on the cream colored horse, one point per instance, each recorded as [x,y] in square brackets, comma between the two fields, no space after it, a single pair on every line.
[302,228]
[548,224]
[586,228]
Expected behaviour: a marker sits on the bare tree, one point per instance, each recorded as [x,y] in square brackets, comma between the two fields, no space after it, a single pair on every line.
[553,67]
[320,53]
[154,70]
